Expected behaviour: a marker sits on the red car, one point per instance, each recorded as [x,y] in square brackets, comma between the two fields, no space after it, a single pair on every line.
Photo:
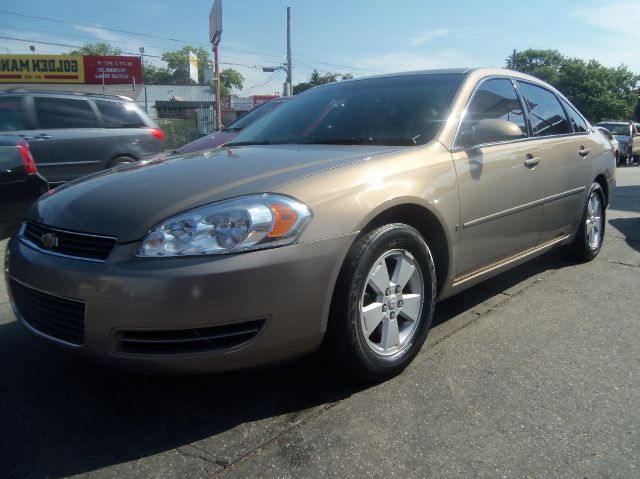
[20,183]
[221,137]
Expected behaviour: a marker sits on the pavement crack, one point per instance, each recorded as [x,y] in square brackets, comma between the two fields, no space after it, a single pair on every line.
[625,264]
[202,457]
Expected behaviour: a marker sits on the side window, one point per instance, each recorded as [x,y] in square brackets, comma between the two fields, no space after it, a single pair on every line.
[58,113]
[494,99]
[577,122]
[119,115]
[11,114]
[545,112]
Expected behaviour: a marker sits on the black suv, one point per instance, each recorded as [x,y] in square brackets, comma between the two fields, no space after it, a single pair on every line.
[74,134]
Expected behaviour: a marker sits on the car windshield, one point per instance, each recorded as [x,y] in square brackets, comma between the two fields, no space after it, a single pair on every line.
[253,115]
[395,110]
[616,128]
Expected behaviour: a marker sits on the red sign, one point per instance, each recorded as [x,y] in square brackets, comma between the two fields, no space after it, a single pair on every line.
[112,69]
[260,99]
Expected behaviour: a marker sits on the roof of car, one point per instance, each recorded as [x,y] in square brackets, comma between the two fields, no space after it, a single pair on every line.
[67,94]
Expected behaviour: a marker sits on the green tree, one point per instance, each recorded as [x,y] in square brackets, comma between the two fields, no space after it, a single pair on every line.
[543,64]
[155,75]
[230,79]
[316,79]
[100,49]
[178,64]
[599,92]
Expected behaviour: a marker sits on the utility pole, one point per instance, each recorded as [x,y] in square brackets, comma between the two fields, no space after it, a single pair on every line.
[289,87]
[144,85]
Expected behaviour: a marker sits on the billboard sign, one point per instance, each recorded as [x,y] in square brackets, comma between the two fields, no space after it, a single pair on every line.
[241,103]
[260,99]
[41,69]
[69,69]
[215,22]
[112,69]
[193,66]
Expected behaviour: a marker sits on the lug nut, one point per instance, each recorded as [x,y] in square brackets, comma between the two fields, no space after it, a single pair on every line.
[397,289]
[400,303]
[392,315]
[387,292]
[384,308]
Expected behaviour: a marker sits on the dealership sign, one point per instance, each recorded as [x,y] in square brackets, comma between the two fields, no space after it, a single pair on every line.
[69,69]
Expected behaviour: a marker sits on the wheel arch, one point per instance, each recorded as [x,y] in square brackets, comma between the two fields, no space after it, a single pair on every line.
[602,181]
[428,224]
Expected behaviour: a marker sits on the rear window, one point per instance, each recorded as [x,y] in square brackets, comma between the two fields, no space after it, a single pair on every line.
[119,115]
[545,113]
[617,128]
[11,116]
[57,113]
[577,122]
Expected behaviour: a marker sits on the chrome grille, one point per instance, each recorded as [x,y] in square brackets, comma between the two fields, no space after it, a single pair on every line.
[67,243]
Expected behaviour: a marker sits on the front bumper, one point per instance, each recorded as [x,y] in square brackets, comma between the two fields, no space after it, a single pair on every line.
[286,290]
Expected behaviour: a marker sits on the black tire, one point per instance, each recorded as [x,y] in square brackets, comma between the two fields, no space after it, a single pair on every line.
[120,160]
[350,346]
[582,248]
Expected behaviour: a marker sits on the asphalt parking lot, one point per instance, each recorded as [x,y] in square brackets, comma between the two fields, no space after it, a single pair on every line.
[535,373]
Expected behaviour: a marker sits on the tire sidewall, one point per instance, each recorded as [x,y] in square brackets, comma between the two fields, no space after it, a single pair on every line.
[592,253]
[391,237]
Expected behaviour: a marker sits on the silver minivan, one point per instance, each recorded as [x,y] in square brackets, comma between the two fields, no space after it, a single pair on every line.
[72,135]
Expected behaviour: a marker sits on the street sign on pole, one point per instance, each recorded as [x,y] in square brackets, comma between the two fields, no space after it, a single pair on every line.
[215,22]
[215,34]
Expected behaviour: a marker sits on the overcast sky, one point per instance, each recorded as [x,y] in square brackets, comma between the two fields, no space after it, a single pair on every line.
[362,37]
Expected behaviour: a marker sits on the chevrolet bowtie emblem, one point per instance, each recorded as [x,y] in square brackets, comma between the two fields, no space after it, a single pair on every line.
[49,240]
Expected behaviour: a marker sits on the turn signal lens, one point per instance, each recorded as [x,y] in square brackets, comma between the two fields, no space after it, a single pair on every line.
[284,218]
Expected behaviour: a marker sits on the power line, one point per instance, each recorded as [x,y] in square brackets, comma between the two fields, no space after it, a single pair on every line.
[100,40]
[257,67]
[49,19]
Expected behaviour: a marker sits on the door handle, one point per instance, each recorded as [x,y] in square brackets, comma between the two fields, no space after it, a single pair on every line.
[26,137]
[583,152]
[531,161]
[43,136]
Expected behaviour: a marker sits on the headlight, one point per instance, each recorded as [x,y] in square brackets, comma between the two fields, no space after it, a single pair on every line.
[248,223]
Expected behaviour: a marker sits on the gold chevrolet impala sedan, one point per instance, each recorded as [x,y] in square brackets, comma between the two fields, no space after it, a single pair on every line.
[340,218]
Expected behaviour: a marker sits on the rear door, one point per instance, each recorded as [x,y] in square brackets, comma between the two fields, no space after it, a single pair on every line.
[499,194]
[564,158]
[127,132]
[63,141]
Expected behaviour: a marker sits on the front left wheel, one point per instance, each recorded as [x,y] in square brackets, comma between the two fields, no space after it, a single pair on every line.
[383,303]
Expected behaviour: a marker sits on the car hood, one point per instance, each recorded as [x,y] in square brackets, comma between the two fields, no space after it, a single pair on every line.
[214,140]
[127,201]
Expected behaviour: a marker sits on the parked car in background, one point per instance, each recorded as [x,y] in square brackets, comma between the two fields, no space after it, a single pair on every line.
[220,137]
[73,134]
[628,135]
[20,183]
[614,142]
[341,217]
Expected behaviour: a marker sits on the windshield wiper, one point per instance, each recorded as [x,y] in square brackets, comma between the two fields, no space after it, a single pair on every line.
[249,143]
[362,141]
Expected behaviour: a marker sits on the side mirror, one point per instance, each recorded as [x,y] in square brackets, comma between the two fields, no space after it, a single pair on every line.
[493,130]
